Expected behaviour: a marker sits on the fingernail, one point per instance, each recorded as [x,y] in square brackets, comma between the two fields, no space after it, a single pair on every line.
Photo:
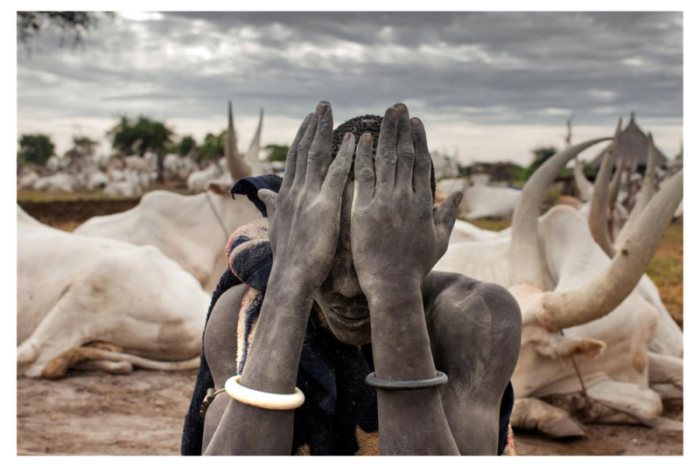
[368,138]
[459,198]
[346,137]
[401,107]
[322,108]
[394,114]
[415,122]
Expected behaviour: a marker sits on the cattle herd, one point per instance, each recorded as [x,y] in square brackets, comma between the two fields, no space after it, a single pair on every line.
[132,289]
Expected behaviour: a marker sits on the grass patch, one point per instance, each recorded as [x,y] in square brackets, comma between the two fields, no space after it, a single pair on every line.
[93,195]
[43,197]
[666,270]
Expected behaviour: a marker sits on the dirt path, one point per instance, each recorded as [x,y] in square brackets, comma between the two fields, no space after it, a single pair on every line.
[142,414]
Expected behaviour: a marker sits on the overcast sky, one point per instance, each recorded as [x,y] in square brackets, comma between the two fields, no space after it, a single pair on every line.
[489,86]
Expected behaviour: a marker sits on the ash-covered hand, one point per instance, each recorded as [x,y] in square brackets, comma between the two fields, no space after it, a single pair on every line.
[305,216]
[397,236]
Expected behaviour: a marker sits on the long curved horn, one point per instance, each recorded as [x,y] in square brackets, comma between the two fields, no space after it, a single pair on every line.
[645,193]
[598,212]
[607,291]
[583,186]
[614,187]
[252,155]
[236,165]
[524,256]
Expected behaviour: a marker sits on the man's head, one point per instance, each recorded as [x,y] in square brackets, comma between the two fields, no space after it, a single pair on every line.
[342,301]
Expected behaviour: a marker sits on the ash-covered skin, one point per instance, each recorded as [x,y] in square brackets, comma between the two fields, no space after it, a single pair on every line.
[379,249]
[342,301]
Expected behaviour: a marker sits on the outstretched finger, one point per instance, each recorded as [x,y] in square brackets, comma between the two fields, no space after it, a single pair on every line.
[290,165]
[364,172]
[337,175]
[269,197]
[386,150]
[423,162]
[406,151]
[305,146]
[319,158]
[444,217]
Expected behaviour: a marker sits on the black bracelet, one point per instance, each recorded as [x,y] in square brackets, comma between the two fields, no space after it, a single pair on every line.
[390,385]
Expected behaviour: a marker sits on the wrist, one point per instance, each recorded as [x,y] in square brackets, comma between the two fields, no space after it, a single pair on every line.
[400,339]
[394,294]
[288,281]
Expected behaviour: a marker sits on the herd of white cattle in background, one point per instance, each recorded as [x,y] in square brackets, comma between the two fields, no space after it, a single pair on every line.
[132,289]
[133,175]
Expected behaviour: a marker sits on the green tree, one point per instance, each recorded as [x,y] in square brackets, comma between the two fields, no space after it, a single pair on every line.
[213,146]
[277,153]
[137,137]
[35,149]
[186,144]
[541,155]
[82,147]
[69,23]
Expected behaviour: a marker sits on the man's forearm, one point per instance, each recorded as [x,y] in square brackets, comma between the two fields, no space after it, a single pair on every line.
[271,366]
[273,359]
[401,349]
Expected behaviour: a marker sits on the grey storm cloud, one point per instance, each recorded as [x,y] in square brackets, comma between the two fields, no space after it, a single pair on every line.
[485,68]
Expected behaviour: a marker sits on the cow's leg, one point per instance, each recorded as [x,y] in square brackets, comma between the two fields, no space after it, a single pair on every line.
[666,375]
[533,414]
[628,402]
[60,331]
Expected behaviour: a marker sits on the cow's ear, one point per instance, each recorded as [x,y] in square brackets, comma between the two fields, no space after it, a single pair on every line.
[218,188]
[558,346]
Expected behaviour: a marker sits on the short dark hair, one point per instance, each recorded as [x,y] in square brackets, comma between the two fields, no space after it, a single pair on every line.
[358,126]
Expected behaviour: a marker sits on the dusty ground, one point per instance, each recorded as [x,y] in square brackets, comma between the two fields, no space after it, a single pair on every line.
[142,414]
[98,414]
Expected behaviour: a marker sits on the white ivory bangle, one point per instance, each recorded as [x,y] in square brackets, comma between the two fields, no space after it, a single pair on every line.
[261,399]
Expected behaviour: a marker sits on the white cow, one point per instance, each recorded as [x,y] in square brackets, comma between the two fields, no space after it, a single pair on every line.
[56,183]
[198,181]
[466,232]
[489,201]
[97,180]
[178,168]
[27,179]
[75,290]
[444,166]
[579,304]
[192,230]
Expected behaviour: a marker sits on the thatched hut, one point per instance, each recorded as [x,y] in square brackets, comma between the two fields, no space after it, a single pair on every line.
[633,149]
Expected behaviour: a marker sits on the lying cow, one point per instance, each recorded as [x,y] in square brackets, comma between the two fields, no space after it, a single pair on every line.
[187,229]
[578,304]
[129,304]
